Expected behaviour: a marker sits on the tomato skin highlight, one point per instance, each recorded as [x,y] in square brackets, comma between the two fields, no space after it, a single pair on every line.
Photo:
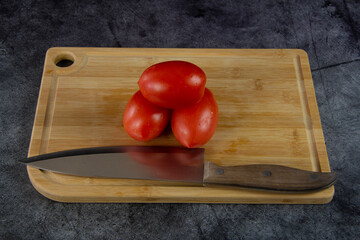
[173,84]
[144,120]
[195,125]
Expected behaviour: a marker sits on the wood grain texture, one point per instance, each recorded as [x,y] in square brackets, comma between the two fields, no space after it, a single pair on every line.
[271,177]
[267,114]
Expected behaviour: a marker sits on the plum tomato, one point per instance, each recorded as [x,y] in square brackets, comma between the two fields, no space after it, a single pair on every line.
[195,125]
[144,120]
[173,84]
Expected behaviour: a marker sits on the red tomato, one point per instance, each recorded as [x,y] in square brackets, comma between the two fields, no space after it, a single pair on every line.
[143,120]
[173,84]
[195,125]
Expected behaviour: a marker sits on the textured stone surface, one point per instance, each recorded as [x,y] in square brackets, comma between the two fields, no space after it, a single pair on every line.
[328,30]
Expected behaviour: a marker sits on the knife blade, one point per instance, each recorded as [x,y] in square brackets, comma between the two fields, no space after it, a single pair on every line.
[177,164]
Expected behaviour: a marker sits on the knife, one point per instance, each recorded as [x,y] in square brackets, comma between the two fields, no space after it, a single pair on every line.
[177,164]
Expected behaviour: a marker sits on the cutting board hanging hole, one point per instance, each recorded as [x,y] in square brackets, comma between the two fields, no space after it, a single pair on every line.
[64,60]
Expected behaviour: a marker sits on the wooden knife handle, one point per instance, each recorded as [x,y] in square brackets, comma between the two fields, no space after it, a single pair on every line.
[264,176]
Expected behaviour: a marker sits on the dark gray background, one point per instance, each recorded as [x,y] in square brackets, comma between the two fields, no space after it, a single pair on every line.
[328,31]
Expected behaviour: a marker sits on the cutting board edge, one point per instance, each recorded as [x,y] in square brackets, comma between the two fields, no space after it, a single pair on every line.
[53,52]
[55,192]
[320,143]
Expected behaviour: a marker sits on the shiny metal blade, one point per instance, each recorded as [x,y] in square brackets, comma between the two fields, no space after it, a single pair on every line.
[130,162]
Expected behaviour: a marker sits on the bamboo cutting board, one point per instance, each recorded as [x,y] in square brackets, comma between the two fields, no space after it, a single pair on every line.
[267,114]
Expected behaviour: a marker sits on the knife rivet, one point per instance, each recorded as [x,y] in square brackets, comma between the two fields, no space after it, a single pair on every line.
[219,171]
[267,173]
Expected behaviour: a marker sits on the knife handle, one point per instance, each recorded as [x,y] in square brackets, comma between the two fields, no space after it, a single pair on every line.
[264,176]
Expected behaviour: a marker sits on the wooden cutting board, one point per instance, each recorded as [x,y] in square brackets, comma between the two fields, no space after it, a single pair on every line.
[267,114]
